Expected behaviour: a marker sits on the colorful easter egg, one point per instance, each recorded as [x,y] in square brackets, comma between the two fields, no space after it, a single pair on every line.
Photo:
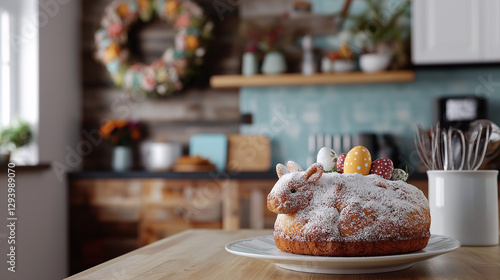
[340,163]
[399,175]
[382,167]
[358,160]
[328,158]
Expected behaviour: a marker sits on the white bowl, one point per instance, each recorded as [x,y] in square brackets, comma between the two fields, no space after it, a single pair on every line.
[342,65]
[160,156]
[374,62]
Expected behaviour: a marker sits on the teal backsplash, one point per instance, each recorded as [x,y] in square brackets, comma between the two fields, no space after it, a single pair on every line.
[289,114]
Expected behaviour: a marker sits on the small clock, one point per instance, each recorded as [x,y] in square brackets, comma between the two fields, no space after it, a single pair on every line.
[461,110]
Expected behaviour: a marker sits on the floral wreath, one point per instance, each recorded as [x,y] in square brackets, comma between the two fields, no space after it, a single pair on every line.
[177,65]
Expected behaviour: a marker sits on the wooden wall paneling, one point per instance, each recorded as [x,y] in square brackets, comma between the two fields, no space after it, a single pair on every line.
[162,200]
[253,199]
[230,205]
[257,208]
[81,192]
[205,202]
[210,105]
[117,200]
[171,206]
[197,103]
[100,231]
[109,217]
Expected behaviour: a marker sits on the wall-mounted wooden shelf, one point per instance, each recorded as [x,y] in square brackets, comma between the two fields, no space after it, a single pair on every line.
[292,79]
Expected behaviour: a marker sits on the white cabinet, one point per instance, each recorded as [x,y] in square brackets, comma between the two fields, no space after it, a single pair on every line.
[455,31]
[492,30]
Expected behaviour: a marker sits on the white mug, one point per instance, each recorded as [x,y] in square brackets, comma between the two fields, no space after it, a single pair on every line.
[464,205]
[160,156]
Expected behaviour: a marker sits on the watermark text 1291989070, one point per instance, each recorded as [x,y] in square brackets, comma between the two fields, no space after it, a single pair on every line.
[11,217]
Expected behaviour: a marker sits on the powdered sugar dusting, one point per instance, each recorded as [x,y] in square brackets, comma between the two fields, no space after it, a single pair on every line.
[348,207]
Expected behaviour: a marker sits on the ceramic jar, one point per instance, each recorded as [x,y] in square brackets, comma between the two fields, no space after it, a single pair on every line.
[274,63]
[121,159]
[249,64]
[464,205]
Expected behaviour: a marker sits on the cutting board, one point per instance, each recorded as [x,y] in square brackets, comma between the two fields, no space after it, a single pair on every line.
[248,153]
[194,168]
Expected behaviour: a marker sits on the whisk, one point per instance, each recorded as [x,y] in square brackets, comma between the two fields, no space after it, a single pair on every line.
[452,149]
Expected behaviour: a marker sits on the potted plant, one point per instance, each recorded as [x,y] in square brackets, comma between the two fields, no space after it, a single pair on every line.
[12,138]
[266,39]
[249,64]
[121,134]
[381,34]
[342,60]
[5,149]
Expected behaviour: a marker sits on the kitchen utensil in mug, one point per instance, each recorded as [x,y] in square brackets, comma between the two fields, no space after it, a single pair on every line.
[464,205]
[453,149]
[429,147]
[493,149]
[491,144]
[436,154]
[422,143]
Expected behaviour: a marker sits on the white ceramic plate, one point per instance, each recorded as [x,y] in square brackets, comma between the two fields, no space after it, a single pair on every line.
[264,248]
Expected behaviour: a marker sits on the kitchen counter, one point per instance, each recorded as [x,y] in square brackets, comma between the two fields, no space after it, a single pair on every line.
[200,254]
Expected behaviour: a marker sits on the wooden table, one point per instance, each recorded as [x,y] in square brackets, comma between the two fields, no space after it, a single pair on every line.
[200,254]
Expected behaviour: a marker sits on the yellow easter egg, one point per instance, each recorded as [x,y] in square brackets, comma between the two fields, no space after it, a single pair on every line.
[358,160]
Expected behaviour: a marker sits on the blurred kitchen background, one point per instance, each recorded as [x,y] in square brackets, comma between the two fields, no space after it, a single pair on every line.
[103,169]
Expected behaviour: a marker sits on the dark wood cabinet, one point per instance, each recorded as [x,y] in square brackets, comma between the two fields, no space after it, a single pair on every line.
[112,216]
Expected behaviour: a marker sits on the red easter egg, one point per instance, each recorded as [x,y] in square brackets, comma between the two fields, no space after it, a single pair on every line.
[382,167]
[340,163]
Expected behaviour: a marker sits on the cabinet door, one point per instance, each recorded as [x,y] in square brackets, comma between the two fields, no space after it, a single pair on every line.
[447,31]
[492,30]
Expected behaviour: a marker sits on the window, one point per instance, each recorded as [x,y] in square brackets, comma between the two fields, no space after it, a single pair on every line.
[19,70]
[5,70]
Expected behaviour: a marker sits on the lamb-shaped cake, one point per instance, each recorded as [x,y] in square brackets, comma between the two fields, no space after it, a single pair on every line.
[343,214]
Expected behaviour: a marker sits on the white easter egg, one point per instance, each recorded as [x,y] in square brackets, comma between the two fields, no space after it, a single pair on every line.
[328,158]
